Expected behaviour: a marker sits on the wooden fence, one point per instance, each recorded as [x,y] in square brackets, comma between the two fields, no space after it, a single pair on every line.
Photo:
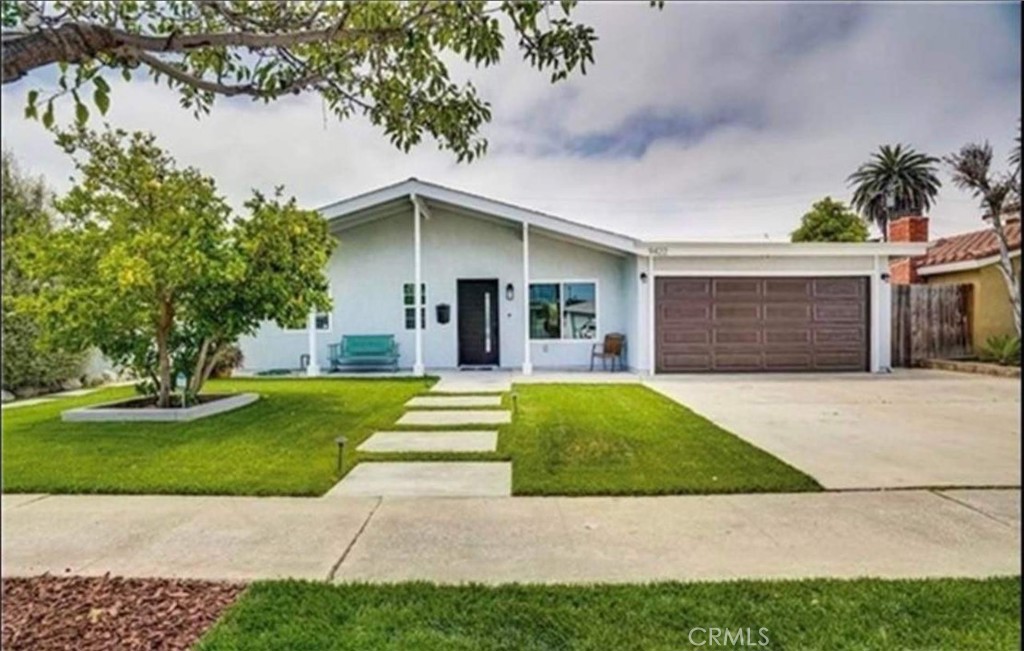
[930,321]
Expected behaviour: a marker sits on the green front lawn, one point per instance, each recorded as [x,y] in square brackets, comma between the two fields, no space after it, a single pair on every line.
[622,439]
[281,445]
[863,615]
[564,440]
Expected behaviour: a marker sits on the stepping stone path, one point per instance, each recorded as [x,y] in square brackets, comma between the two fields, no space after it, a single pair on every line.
[427,479]
[457,400]
[435,417]
[453,441]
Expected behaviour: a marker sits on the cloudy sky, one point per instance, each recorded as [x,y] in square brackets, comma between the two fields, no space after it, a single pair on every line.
[701,121]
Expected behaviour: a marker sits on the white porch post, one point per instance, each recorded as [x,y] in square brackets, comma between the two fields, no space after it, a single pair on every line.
[313,369]
[881,318]
[417,367]
[527,361]
[651,316]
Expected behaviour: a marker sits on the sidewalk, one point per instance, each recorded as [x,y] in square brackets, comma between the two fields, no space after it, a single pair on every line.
[882,534]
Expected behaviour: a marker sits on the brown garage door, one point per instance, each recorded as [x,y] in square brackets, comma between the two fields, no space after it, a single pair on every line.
[761,324]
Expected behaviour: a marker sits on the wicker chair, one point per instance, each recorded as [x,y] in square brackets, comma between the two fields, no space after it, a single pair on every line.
[612,348]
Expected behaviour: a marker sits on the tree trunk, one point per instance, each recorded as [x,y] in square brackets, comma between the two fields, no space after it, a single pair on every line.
[1006,268]
[163,331]
[195,383]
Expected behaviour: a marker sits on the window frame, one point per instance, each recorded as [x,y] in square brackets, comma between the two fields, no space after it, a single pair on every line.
[412,306]
[561,309]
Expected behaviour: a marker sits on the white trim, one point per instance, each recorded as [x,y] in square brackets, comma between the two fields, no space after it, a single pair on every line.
[417,368]
[598,333]
[963,265]
[527,356]
[775,273]
[781,249]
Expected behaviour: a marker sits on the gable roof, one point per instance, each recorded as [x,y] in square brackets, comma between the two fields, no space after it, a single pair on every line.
[395,199]
[392,198]
[972,246]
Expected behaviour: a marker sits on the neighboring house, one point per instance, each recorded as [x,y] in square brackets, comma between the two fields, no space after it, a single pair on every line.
[528,290]
[968,258]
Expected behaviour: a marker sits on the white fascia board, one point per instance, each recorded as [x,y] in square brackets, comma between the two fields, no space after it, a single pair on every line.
[798,249]
[963,265]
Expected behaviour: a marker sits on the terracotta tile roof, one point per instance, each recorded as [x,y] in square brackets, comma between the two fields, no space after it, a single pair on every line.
[969,246]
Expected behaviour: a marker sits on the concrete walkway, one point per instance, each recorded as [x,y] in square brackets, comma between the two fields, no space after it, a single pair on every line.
[884,534]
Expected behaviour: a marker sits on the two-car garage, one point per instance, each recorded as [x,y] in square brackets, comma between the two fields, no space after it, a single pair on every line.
[741,324]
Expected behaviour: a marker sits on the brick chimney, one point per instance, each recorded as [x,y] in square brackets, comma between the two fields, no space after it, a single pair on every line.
[908,228]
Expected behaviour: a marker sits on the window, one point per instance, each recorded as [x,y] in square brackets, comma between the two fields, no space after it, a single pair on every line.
[409,300]
[563,310]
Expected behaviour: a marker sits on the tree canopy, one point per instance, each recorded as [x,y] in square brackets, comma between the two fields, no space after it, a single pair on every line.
[830,221]
[388,61]
[997,194]
[896,180]
[155,270]
[27,213]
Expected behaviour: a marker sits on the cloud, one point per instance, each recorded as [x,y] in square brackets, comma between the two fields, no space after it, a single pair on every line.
[699,121]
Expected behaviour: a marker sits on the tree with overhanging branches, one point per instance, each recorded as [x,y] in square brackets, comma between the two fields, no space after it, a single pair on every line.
[998,194]
[896,180]
[388,61]
[155,270]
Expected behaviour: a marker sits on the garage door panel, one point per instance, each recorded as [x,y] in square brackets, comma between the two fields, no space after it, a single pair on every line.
[839,288]
[685,288]
[851,337]
[691,337]
[730,290]
[744,336]
[736,312]
[761,324]
[674,311]
[845,311]
[788,312]
[788,337]
[788,289]
[788,361]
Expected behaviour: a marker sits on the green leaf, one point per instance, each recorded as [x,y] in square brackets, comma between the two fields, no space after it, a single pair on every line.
[33,95]
[102,100]
[48,115]
[101,84]
[126,74]
[81,113]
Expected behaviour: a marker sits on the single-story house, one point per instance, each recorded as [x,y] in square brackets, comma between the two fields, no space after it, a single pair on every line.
[964,259]
[461,280]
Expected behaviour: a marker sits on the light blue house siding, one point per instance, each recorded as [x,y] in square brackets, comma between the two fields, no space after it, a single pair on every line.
[375,259]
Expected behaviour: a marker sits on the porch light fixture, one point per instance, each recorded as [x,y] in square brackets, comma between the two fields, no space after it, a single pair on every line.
[643,277]
[510,292]
[340,441]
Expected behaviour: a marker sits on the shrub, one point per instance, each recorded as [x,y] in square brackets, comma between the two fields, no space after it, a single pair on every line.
[230,359]
[1002,349]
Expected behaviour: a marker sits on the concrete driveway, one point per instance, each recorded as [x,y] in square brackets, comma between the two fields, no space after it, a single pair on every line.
[908,429]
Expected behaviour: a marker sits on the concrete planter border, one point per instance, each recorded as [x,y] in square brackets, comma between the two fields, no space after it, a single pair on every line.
[979,368]
[108,412]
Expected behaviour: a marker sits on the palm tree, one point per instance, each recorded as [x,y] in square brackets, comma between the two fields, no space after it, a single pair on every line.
[971,169]
[896,180]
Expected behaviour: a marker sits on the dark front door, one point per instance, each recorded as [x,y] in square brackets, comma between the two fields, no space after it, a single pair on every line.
[478,322]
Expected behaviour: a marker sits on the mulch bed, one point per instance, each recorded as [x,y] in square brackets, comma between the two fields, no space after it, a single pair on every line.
[91,613]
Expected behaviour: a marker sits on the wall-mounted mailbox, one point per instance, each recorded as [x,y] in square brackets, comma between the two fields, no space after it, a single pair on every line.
[444,313]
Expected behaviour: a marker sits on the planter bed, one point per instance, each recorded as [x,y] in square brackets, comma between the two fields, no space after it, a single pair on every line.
[972,366]
[143,409]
